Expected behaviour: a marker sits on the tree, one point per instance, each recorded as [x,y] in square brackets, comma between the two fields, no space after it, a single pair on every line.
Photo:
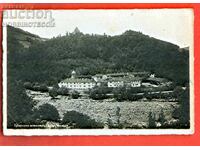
[47,112]
[161,118]
[184,109]
[109,122]
[19,105]
[177,92]
[118,115]
[152,120]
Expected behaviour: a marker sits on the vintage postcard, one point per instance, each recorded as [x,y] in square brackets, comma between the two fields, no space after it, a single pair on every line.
[98,72]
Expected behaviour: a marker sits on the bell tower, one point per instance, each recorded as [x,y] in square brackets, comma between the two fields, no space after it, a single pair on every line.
[73,74]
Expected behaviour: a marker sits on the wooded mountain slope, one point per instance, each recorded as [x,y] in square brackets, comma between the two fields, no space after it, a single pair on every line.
[52,60]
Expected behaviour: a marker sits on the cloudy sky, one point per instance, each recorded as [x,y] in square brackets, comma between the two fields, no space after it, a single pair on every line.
[172,25]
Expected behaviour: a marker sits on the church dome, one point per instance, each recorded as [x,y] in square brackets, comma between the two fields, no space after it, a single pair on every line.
[73,72]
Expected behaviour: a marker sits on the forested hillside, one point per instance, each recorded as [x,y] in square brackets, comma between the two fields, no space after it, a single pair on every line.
[52,60]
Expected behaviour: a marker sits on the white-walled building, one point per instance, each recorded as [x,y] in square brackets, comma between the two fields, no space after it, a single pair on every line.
[114,84]
[152,76]
[129,81]
[110,80]
[78,84]
[136,83]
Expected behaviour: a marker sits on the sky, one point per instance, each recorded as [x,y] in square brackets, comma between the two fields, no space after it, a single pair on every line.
[172,25]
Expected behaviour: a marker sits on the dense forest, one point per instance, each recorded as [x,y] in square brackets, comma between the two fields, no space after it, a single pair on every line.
[33,59]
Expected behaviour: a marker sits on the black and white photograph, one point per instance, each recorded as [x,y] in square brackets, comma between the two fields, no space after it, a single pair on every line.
[98,72]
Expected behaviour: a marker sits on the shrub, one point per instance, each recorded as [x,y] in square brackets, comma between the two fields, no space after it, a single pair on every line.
[148,96]
[63,91]
[123,93]
[75,94]
[99,93]
[36,87]
[178,92]
[47,112]
[53,93]
[43,88]
[135,90]
[79,120]
[120,94]
[55,86]
[28,85]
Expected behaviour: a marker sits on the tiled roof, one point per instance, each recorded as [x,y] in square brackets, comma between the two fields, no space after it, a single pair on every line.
[84,76]
[116,77]
[157,79]
[117,74]
[136,73]
[125,79]
[78,80]
[98,75]
[123,74]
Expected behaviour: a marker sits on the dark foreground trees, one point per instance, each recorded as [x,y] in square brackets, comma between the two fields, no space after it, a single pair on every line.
[79,120]
[183,112]
[47,112]
[19,105]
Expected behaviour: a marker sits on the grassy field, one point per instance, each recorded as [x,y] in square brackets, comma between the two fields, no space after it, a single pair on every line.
[131,114]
